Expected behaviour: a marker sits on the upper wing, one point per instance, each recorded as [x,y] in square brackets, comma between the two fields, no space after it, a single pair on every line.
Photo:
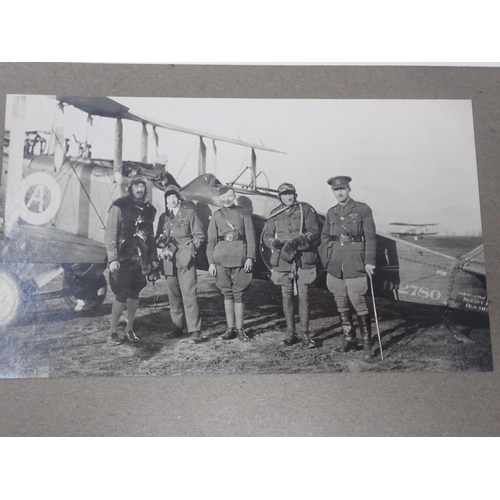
[104,106]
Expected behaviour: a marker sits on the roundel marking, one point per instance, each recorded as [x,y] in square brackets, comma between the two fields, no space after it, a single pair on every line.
[41,198]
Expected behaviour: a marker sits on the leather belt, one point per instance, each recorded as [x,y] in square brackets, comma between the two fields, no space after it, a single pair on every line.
[345,238]
[231,237]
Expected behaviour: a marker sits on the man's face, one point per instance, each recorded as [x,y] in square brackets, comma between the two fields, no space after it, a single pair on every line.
[138,191]
[342,194]
[172,201]
[228,198]
[288,199]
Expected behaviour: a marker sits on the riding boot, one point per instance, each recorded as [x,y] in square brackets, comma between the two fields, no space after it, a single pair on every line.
[349,342]
[307,342]
[291,336]
[365,330]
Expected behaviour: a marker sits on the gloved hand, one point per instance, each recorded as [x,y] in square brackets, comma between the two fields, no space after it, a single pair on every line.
[277,244]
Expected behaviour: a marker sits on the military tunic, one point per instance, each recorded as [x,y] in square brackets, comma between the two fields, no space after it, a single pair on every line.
[183,234]
[348,243]
[284,224]
[348,240]
[231,241]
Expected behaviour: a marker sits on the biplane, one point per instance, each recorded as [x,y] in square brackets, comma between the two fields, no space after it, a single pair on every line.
[415,231]
[55,208]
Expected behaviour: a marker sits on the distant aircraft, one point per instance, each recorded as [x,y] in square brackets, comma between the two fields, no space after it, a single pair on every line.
[55,208]
[415,231]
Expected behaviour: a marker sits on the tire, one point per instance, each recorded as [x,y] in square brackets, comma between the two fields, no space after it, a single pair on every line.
[11,298]
[85,287]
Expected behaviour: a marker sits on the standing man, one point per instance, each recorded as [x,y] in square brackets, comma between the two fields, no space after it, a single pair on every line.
[231,252]
[179,236]
[131,252]
[293,233]
[348,250]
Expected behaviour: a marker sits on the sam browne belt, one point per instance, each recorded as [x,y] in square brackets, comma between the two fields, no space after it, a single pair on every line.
[231,237]
[345,238]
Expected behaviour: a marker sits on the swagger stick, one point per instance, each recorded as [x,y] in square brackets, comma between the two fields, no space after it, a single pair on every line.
[376,318]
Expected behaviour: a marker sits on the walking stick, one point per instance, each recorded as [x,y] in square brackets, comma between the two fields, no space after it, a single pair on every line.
[376,318]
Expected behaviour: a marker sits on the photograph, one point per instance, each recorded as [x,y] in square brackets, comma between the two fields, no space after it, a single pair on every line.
[158,236]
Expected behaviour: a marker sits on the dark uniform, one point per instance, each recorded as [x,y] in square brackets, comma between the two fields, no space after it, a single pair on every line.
[293,233]
[348,244]
[231,241]
[130,240]
[131,253]
[181,234]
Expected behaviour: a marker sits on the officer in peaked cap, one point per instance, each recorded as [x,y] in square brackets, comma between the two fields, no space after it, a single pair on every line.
[292,232]
[341,181]
[347,251]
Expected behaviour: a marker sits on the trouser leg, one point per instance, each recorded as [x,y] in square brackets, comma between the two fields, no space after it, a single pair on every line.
[357,288]
[189,285]
[175,299]
[288,311]
[339,289]
[304,316]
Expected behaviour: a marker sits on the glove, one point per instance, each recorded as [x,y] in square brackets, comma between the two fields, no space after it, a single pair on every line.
[162,240]
[300,242]
[277,244]
[288,253]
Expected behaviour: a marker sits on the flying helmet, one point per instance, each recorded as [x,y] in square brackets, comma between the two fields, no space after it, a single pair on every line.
[286,188]
[172,189]
[136,179]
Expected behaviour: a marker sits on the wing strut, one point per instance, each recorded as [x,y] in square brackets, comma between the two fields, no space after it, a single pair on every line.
[202,158]
[16,155]
[144,144]
[118,161]
[254,168]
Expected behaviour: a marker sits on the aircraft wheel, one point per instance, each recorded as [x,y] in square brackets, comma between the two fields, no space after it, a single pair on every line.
[11,298]
[86,290]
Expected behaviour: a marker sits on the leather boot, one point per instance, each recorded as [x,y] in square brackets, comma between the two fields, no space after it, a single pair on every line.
[239,313]
[365,330]
[349,342]
[307,342]
[291,336]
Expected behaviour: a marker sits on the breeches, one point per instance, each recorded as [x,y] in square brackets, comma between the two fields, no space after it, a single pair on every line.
[181,291]
[345,289]
[233,282]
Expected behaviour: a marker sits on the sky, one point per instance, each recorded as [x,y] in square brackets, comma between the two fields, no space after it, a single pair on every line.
[412,161]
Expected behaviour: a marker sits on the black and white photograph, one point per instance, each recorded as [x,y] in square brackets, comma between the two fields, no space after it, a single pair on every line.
[148,236]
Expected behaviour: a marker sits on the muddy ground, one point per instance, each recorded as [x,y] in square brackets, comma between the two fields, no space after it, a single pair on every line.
[52,341]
